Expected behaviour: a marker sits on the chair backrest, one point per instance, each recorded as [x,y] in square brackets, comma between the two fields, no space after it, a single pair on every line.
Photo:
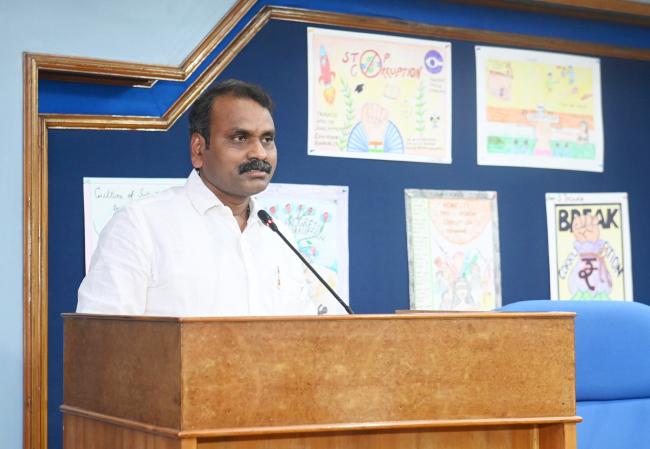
[612,340]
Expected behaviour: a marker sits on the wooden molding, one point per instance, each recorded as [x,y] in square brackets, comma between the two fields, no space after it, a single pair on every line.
[96,79]
[616,11]
[35,175]
[456,33]
[34,264]
[304,429]
[218,33]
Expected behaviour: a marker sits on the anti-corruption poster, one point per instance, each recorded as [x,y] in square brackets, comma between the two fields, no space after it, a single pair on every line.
[378,97]
[453,250]
[589,246]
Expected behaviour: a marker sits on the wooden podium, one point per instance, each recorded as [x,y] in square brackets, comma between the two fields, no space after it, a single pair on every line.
[439,380]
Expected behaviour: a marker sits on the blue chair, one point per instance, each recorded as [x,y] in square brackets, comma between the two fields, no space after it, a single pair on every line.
[612,343]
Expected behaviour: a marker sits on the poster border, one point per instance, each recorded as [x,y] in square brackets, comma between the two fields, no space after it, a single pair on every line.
[553,200]
[410,194]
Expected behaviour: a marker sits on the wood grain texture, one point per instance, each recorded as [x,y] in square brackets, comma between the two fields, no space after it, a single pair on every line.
[621,11]
[214,375]
[563,436]
[126,369]
[510,438]
[85,433]
[275,373]
[35,264]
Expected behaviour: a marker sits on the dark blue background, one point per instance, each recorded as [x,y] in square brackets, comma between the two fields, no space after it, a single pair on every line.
[276,59]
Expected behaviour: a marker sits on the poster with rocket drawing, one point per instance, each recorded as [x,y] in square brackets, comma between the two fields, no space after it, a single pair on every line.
[453,250]
[538,109]
[589,246]
[378,97]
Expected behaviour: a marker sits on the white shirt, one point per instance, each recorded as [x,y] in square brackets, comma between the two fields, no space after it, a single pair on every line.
[182,253]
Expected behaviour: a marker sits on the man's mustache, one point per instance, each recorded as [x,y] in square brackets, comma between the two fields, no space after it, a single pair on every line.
[255,164]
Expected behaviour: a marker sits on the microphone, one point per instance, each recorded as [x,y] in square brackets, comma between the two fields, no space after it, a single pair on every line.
[268,221]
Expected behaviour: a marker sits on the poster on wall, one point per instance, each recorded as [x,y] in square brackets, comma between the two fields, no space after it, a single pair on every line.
[317,216]
[453,250]
[378,97]
[589,246]
[104,196]
[538,109]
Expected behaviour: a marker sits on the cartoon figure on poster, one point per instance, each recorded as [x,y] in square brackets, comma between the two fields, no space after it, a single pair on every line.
[379,97]
[591,258]
[589,246]
[463,281]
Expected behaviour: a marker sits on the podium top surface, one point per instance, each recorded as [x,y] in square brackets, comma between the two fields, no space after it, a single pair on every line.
[400,315]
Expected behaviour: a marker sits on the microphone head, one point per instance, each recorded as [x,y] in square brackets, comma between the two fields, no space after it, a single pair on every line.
[266,219]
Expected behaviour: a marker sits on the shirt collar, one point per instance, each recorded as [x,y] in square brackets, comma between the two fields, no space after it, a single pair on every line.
[200,196]
[203,199]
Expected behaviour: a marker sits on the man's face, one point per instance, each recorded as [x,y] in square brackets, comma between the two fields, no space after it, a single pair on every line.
[241,157]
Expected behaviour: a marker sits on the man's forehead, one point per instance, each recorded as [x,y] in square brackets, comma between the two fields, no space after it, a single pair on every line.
[236,102]
[250,130]
[239,111]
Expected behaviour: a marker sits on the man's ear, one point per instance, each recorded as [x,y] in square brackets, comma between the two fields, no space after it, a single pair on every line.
[197,147]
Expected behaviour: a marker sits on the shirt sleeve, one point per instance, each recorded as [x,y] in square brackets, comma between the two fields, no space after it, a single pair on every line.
[119,273]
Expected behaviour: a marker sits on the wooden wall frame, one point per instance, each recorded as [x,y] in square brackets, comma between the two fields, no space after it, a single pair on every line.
[629,12]
[36,126]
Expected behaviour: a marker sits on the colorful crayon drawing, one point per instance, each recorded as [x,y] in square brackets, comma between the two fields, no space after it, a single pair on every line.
[318,218]
[538,109]
[326,78]
[104,196]
[453,247]
[378,97]
[589,246]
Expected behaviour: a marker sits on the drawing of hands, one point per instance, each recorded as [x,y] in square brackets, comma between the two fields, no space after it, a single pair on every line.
[374,119]
[585,228]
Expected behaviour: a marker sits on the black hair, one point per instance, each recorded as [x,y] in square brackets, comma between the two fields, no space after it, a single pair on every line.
[201,110]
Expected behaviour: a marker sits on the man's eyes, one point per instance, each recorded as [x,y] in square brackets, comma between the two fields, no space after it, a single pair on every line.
[240,138]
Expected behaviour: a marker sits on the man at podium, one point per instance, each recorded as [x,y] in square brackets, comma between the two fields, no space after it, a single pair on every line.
[200,249]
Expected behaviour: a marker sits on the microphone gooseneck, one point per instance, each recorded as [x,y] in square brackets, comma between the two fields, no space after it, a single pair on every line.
[268,221]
